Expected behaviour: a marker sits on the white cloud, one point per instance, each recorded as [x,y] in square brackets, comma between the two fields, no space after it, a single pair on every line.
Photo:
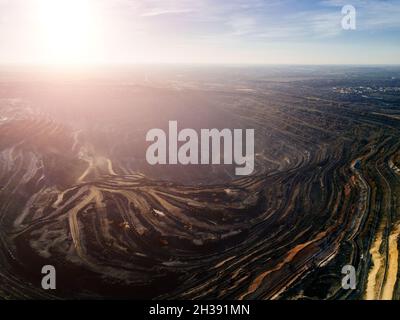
[159,12]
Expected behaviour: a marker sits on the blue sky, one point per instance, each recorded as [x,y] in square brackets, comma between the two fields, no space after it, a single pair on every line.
[201,31]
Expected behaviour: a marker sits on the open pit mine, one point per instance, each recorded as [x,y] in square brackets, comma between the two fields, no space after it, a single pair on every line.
[77,193]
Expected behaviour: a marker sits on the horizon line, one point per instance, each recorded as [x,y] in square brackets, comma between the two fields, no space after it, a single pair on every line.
[236,64]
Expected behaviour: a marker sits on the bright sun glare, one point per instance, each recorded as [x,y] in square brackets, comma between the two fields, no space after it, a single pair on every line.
[67,30]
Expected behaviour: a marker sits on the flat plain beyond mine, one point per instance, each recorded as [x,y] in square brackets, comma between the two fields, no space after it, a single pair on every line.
[77,193]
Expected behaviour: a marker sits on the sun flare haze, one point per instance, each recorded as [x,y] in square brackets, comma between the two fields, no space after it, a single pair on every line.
[66,30]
